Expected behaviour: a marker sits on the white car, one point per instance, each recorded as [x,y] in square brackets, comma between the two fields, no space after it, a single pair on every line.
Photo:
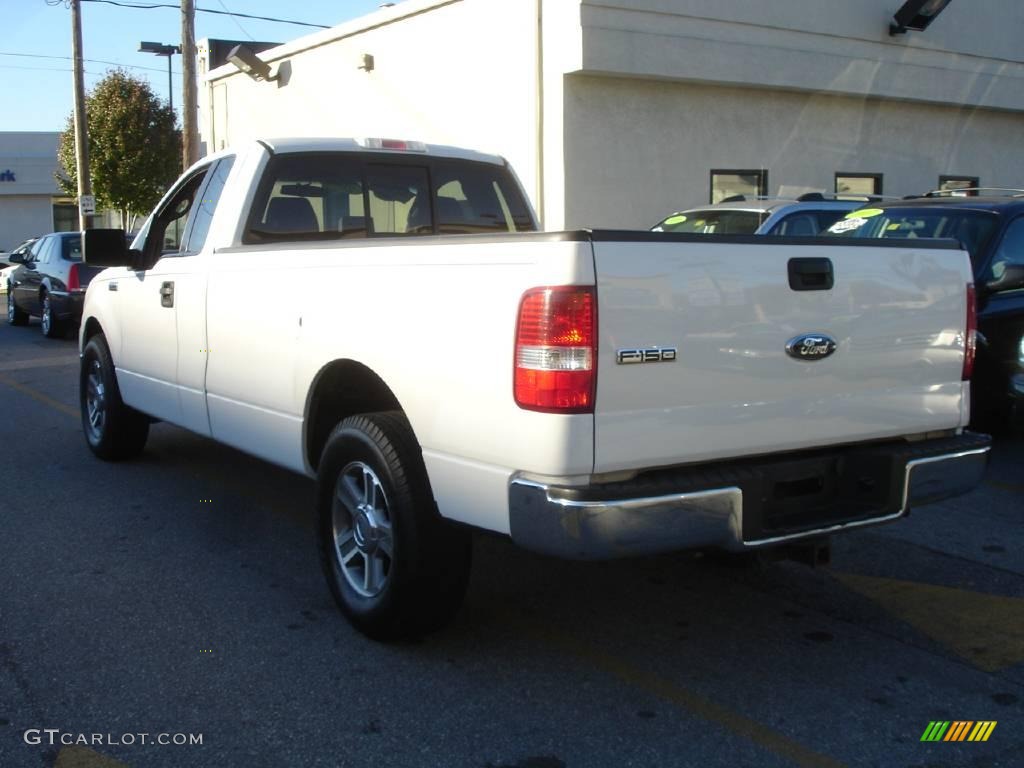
[806,216]
[7,271]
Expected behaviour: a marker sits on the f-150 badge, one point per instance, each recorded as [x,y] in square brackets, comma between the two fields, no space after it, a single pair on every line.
[811,347]
[649,355]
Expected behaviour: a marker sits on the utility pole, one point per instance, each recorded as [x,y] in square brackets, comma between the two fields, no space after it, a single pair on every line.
[81,131]
[189,108]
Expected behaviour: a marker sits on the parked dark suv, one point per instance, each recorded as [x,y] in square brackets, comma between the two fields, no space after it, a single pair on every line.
[991,228]
[49,283]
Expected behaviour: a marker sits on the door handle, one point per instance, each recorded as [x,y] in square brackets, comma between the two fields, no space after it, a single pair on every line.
[167,294]
[811,274]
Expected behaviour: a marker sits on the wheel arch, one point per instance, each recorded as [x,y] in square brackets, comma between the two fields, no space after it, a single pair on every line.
[340,389]
[90,327]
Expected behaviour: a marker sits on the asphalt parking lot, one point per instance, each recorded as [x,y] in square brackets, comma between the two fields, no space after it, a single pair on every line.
[180,595]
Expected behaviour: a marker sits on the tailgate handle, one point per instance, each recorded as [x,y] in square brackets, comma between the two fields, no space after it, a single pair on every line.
[811,274]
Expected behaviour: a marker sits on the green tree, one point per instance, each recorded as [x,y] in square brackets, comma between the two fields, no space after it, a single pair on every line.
[134,146]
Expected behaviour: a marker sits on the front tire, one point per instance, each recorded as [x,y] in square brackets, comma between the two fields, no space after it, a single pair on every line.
[113,430]
[15,316]
[394,566]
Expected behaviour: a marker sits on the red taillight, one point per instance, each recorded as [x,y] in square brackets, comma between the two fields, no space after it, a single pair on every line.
[971,337]
[556,350]
[73,284]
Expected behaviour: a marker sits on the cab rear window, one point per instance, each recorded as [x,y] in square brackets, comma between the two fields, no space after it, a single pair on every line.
[334,195]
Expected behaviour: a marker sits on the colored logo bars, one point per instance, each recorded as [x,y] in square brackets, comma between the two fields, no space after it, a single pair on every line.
[958,730]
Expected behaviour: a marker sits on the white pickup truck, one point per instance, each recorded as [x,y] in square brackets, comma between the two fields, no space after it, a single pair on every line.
[383,317]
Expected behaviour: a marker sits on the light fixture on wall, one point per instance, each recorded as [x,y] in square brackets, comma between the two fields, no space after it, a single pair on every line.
[247,61]
[366,62]
[916,15]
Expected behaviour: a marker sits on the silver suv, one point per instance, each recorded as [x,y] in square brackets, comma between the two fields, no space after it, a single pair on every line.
[806,216]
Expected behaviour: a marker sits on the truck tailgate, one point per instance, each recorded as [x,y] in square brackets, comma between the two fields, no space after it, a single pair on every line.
[895,311]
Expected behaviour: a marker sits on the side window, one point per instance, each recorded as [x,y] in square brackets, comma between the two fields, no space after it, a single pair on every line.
[203,211]
[1010,252]
[168,227]
[40,249]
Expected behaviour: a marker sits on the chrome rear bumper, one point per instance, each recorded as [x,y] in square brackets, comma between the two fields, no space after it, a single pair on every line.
[605,522]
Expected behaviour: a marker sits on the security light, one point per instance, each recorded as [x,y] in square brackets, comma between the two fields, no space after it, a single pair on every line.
[916,15]
[248,62]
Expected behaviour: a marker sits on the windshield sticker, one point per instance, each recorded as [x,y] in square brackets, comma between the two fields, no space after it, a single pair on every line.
[846,225]
[894,226]
[865,213]
[674,220]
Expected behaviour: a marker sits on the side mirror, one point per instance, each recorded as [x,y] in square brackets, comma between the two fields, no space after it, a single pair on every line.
[1010,277]
[107,248]
[16,258]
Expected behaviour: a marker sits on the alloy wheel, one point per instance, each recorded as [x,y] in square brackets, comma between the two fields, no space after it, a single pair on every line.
[95,400]
[363,537]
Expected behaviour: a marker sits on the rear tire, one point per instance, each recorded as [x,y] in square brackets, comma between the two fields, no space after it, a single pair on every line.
[15,316]
[395,567]
[52,327]
[113,430]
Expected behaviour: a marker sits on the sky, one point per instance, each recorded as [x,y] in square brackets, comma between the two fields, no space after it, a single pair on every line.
[35,49]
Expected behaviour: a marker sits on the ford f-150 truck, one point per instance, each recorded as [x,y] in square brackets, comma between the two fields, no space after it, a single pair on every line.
[383,316]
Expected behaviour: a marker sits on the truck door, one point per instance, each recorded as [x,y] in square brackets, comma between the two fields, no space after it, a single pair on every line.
[149,303]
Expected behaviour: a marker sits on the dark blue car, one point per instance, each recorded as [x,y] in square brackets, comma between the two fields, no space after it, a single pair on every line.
[991,228]
[49,283]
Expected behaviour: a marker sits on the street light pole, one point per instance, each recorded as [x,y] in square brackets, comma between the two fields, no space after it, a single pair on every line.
[163,49]
[170,83]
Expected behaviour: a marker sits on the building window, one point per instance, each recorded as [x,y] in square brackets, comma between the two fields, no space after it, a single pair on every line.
[728,183]
[960,182]
[65,215]
[858,183]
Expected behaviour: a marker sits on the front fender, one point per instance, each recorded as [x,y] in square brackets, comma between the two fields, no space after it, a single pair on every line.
[101,308]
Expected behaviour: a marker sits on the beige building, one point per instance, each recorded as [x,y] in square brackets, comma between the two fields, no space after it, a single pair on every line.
[615,112]
[31,203]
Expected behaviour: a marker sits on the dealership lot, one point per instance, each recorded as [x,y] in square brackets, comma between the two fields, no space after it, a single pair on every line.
[180,594]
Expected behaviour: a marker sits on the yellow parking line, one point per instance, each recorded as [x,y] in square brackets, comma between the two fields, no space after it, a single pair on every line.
[44,399]
[39,362]
[694,703]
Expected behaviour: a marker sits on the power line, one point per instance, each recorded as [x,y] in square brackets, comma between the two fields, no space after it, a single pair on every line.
[237,22]
[151,6]
[68,58]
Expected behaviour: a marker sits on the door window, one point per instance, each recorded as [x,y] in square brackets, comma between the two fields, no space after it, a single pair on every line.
[168,228]
[203,213]
[40,251]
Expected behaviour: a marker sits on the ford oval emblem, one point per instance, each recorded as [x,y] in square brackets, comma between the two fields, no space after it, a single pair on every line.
[811,347]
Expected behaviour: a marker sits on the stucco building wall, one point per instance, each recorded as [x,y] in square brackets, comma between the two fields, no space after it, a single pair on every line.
[615,111]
